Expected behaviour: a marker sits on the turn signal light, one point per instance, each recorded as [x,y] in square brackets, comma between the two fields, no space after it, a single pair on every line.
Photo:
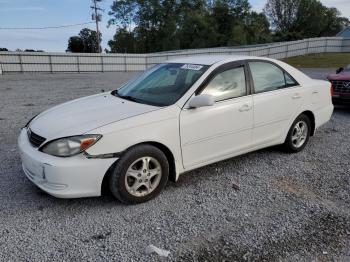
[86,143]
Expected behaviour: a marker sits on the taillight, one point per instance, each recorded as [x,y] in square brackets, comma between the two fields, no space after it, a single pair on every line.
[332,89]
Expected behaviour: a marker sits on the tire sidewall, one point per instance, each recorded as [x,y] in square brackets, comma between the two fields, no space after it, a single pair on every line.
[289,143]
[117,178]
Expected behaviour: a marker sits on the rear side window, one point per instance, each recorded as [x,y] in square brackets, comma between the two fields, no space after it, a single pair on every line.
[227,84]
[269,77]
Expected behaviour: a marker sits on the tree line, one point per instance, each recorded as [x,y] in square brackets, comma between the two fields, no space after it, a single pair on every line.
[3,49]
[144,26]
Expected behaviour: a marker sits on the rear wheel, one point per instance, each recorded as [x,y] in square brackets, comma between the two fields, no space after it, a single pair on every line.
[298,135]
[139,175]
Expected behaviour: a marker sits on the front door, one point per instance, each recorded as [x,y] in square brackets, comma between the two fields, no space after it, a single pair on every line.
[216,132]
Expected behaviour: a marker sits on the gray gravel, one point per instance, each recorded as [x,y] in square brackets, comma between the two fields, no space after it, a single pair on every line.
[288,207]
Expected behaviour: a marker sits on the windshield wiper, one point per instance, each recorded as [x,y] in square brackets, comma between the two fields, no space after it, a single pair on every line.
[137,100]
[130,98]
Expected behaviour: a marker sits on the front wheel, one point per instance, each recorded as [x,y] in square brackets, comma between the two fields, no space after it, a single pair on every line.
[139,175]
[298,135]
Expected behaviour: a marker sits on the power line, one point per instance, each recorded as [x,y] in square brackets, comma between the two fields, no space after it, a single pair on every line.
[43,28]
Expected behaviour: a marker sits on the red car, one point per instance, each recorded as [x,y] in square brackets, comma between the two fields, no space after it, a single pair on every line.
[340,86]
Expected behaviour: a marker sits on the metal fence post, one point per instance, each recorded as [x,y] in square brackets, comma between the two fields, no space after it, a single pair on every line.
[50,63]
[287,49]
[102,66]
[78,63]
[307,46]
[125,68]
[20,62]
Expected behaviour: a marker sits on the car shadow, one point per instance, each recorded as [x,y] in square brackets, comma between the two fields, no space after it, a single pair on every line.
[40,200]
[235,166]
[342,109]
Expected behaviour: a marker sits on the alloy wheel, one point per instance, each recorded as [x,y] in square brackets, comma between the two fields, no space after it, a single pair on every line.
[143,176]
[299,134]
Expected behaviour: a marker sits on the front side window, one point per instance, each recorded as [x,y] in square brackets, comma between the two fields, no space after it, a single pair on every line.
[269,77]
[227,84]
[162,85]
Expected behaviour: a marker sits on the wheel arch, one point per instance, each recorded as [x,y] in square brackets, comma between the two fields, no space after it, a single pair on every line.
[311,116]
[167,152]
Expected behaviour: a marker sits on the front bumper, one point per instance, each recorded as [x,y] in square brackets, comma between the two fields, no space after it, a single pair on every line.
[70,177]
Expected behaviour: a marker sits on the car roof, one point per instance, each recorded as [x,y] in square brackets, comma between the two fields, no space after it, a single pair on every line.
[211,59]
[214,59]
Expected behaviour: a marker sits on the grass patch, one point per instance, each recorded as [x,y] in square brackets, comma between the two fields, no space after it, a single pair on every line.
[325,60]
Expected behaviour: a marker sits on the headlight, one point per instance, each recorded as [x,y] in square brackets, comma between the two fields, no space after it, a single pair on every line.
[70,146]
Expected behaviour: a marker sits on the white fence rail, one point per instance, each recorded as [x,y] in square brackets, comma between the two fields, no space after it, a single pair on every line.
[22,62]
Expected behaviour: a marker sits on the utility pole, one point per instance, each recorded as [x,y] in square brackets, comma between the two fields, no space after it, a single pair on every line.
[97,16]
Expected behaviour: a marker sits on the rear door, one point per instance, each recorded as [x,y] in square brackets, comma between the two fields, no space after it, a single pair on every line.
[216,132]
[277,98]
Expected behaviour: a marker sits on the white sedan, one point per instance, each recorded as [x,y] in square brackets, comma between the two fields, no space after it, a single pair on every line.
[175,117]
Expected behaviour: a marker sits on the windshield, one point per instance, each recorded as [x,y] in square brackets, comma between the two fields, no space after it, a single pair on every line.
[162,85]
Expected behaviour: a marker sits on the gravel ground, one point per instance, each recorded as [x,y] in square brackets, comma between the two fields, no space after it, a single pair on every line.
[288,207]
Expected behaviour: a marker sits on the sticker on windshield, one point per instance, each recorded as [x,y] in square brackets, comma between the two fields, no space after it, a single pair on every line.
[192,67]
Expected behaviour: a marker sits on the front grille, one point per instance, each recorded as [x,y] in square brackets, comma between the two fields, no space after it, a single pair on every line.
[341,86]
[35,139]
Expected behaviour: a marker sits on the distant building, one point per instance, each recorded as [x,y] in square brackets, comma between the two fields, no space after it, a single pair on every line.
[345,32]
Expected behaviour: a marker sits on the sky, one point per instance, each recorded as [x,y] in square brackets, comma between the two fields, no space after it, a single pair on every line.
[41,13]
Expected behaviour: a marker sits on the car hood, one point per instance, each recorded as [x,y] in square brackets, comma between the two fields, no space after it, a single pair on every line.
[343,76]
[82,115]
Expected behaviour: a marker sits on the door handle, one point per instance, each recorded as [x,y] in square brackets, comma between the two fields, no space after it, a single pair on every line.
[244,108]
[296,96]
[315,92]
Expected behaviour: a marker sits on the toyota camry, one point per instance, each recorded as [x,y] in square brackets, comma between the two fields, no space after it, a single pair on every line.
[176,116]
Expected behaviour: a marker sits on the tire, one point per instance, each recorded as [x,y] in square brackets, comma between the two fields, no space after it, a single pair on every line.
[139,175]
[293,144]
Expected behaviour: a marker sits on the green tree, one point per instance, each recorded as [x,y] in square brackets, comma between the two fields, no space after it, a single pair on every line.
[196,27]
[85,42]
[257,28]
[123,13]
[297,19]
[75,45]
[160,25]
[222,17]
[123,42]
[282,13]
[315,19]
[90,40]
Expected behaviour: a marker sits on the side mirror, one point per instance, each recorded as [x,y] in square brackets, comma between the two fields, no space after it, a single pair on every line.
[201,100]
[339,70]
